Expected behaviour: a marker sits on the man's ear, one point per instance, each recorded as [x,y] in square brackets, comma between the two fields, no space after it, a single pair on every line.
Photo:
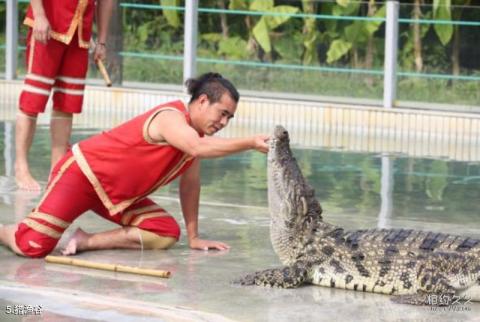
[203,100]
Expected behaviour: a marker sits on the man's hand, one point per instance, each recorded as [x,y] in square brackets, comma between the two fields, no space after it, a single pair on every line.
[41,29]
[100,52]
[260,143]
[201,244]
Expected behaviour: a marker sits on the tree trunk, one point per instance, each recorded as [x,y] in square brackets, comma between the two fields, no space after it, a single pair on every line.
[457,15]
[370,51]
[115,46]
[417,36]
[223,19]
[456,51]
[309,33]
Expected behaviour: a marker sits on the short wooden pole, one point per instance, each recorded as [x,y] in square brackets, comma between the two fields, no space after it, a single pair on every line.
[103,71]
[106,267]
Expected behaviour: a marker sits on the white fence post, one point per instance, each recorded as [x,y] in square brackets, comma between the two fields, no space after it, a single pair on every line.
[190,46]
[391,48]
[11,42]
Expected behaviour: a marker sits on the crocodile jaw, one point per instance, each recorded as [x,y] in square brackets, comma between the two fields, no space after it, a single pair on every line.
[291,200]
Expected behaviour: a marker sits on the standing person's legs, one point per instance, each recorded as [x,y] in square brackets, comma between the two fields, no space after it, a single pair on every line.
[144,225]
[42,62]
[60,130]
[24,131]
[67,96]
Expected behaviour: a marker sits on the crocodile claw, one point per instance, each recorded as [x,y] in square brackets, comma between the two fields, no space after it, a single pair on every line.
[245,280]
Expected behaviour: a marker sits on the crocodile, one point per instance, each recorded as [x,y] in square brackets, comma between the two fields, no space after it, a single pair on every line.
[410,265]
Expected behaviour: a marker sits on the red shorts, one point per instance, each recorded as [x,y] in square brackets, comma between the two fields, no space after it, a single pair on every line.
[58,66]
[69,194]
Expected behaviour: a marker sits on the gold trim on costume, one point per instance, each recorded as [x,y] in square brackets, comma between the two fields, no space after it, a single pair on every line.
[146,125]
[50,219]
[127,216]
[87,171]
[143,209]
[50,232]
[77,21]
[138,220]
[112,208]
[64,167]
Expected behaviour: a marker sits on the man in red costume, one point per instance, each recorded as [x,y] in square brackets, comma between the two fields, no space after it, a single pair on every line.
[112,174]
[57,57]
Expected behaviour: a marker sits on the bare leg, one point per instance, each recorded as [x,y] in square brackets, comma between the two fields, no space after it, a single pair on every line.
[61,129]
[124,238]
[7,237]
[24,132]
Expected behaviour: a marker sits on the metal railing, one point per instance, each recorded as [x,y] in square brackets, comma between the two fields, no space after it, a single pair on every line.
[190,58]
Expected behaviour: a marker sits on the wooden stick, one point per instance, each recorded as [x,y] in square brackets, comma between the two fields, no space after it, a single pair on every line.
[107,267]
[103,71]
[101,66]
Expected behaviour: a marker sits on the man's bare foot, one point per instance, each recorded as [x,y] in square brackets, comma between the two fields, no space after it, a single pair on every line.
[77,243]
[7,237]
[25,181]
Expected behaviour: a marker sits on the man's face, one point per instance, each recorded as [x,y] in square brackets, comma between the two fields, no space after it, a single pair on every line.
[217,115]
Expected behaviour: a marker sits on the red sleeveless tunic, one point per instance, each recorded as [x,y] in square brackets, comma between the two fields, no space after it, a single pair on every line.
[124,165]
[65,18]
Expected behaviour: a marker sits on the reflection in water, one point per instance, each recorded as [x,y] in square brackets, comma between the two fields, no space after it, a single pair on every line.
[372,190]
[8,150]
[386,187]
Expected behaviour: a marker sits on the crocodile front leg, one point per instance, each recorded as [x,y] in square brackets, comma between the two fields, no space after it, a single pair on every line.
[283,277]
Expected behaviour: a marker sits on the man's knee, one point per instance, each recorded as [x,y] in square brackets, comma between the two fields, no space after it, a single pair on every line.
[32,244]
[160,232]
[151,240]
[60,115]
[27,114]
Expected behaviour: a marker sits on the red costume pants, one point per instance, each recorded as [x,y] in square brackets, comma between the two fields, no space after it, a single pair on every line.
[69,194]
[58,66]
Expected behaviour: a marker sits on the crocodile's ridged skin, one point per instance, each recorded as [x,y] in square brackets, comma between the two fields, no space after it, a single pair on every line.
[404,262]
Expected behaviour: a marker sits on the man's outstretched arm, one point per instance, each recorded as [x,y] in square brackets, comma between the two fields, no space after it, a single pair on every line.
[172,127]
[190,199]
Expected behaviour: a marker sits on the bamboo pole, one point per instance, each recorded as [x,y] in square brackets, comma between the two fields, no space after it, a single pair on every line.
[106,267]
[103,71]
[100,65]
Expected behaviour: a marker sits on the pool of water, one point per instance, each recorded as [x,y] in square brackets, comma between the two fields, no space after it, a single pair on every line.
[357,190]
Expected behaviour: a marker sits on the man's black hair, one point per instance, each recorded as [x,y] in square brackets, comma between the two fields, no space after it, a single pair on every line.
[213,85]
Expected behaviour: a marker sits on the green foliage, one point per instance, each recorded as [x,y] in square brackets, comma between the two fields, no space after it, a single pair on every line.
[171,15]
[268,23]
[233,47]
[343,3]
[354,35]
[238,5]
[436,184]
[338,49]
[406,52]
[296,41]
[442,11]
[260,32]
